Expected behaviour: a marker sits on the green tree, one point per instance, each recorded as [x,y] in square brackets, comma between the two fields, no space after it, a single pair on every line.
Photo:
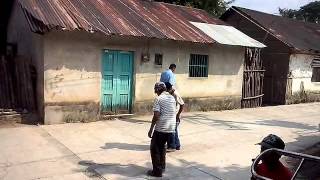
[309,12]
[214,7]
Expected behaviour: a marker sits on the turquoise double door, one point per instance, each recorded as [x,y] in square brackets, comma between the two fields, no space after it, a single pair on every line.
[117,72]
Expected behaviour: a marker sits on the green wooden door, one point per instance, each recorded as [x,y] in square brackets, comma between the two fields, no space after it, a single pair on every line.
[117,81]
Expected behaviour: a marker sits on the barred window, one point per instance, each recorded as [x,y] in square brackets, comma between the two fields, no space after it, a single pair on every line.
[198,65]
[158,59]
[315,70]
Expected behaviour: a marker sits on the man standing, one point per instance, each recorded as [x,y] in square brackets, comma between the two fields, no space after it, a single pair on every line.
[174,141]
[162,126]
[168,75]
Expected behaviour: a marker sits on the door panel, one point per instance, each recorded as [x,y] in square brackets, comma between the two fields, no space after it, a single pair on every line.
[125,81]
[117,80]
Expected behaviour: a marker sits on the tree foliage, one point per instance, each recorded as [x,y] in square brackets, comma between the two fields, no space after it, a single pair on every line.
[214,7]
[309,12]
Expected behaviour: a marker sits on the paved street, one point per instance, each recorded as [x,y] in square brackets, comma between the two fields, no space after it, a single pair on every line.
[215,145]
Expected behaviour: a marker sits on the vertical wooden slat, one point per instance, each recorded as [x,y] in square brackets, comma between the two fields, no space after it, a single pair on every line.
[253,79]
[2,84]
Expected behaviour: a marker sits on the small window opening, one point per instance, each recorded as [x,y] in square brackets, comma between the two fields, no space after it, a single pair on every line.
[315,70]
[158,58]
[198,65]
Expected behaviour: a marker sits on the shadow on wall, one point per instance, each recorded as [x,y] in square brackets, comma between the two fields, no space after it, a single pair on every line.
[188,170]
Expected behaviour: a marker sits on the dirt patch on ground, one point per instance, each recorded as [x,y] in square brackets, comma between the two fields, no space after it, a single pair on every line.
[5,123]
[18,120]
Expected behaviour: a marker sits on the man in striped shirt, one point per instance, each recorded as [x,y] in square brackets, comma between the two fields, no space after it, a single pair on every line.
[162,127]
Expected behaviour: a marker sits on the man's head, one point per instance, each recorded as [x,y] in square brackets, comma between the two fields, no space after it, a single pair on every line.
[173,67]
[169,87]
[271,141]
[159,87]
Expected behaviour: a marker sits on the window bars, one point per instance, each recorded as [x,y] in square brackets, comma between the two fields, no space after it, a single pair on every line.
[198,65]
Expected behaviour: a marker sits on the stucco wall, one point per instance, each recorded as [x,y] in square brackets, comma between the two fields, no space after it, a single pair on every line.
[73,67]
[301,72]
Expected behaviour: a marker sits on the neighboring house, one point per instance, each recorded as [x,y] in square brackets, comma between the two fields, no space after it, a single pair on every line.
[105,56]
[291,59]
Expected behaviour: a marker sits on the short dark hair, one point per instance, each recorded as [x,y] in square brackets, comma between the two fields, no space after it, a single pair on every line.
[172,66]
[160,87]
[272,141]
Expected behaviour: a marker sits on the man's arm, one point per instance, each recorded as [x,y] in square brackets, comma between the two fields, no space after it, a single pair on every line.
[179,112]
[155,118]
[179,101]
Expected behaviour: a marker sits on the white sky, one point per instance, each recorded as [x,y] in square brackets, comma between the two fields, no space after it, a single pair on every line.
[270,6]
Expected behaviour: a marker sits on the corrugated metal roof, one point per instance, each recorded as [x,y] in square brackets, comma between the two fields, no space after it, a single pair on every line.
[302,36]
[227,35]
[139,18]
[316,62]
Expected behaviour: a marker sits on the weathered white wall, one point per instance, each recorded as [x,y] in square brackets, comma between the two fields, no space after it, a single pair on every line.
[225,71]
[72,67]
[301,72]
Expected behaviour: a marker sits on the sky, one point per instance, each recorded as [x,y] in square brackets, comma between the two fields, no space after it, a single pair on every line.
[270,6]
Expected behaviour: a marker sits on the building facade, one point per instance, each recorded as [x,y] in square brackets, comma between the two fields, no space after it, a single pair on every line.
[84,72]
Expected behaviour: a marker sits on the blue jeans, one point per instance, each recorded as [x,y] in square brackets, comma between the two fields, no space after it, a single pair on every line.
[174,141]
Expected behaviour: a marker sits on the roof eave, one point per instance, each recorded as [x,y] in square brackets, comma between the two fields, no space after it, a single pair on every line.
[307,52]
[248,17]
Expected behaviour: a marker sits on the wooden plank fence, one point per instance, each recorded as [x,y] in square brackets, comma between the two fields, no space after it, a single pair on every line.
[252,89]
[16,89]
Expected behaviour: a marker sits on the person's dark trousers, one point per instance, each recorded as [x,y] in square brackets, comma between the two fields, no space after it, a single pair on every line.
[174,141]
[158,151]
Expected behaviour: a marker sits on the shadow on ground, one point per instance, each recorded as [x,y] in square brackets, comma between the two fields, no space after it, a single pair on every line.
[188,170]
[241,125]
[126,146]
[305,145]
[132,120]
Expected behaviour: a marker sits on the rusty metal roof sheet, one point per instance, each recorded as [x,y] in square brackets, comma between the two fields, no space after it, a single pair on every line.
[302,36]
[227,35]
[140,18]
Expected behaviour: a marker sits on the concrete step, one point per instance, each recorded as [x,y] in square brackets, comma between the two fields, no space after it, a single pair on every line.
[6,112]
[12,116]
[114,116]
[18,119]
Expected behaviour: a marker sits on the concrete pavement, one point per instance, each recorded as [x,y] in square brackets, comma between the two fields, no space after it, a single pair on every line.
[215,145]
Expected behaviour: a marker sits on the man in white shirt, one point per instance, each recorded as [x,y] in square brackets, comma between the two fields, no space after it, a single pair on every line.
[162,127]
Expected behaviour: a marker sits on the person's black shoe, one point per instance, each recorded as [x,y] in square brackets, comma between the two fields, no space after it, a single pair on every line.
[178,148]
[171,150]
[151,173]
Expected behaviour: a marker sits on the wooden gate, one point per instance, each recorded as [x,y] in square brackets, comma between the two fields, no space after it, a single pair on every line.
[17,84]
[252,88]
